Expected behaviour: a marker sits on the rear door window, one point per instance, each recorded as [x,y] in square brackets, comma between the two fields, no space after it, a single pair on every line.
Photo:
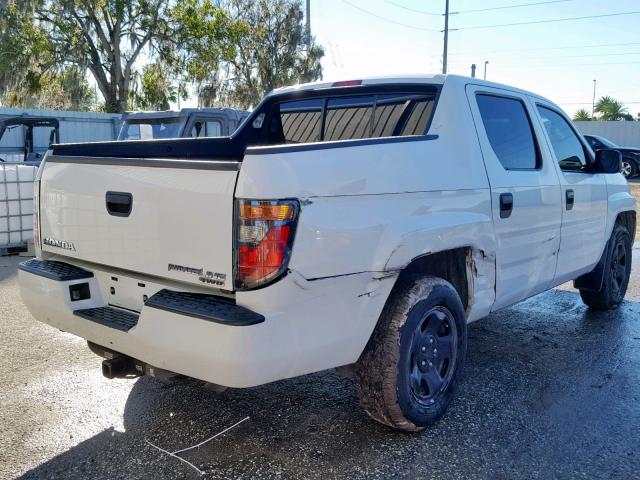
[509,131]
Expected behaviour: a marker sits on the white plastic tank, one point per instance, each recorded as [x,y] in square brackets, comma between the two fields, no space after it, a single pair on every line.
[16,204]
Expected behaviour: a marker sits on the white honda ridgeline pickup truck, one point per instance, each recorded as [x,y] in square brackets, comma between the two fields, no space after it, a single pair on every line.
[358,224]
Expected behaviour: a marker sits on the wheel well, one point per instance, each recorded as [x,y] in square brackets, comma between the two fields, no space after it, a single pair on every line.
[451,265]
[628,220]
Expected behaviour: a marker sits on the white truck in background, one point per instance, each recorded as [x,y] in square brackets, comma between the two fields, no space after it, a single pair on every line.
[359,224]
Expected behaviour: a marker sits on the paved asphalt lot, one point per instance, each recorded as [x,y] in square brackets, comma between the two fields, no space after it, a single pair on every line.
[550,390]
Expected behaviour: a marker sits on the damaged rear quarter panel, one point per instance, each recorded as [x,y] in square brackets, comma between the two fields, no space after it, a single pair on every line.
[373,208]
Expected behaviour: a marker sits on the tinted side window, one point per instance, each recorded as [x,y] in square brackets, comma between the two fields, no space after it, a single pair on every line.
[302,120]
[566,145]
[401,115]
[509,131]
[348,118]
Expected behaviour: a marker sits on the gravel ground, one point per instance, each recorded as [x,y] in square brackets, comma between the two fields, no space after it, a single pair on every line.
[550,390]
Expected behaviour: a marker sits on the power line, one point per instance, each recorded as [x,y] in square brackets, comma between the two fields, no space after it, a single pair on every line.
[384,19]
[547,57]
[519,5]
[553,20]
[547,48]
[510,6]
[413,10]
[559,65]
[589,103]
[580,56]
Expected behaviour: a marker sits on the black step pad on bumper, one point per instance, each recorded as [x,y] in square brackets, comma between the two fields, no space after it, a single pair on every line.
[110,317]
[206,307]
[59,271]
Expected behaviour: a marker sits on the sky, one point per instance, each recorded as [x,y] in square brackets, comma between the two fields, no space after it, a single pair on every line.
[558,60]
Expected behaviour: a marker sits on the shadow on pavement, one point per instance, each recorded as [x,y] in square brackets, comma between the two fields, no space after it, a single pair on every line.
[8,266]
[550,390]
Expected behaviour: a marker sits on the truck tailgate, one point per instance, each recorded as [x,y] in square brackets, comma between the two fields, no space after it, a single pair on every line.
[180,224]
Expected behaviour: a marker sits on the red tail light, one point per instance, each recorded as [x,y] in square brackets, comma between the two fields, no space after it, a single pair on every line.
[264,237]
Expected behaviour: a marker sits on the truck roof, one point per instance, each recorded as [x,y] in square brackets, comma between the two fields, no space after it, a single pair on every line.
[429,79]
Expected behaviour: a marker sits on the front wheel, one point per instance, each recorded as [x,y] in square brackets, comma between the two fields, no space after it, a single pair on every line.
[407,374]
[616,273]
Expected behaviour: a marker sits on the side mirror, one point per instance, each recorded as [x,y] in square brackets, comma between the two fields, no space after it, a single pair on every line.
[607,161]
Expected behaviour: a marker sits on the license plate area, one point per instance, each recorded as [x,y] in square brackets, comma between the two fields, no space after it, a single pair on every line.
[127,292]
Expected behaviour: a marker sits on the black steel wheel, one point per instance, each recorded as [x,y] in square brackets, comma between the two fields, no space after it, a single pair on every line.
[616,273]
[407,374]
[432,358]
[619,270]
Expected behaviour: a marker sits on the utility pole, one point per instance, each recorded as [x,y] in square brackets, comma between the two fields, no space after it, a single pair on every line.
[308,26]
[446,37]
[485,68]
[593,102]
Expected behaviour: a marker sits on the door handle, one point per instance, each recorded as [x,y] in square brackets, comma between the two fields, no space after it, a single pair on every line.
[506,205]
[570,197]
[119,203]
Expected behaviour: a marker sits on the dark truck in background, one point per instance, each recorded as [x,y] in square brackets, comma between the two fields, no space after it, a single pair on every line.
[184,123]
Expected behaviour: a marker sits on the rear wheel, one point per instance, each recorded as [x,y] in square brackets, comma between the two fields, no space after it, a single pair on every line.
[617,270]
[407,374]
[628,168]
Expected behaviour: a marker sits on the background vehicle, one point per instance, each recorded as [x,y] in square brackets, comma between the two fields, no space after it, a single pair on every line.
[188,122]
[34,128]
[630,166]
[358,224]
[18,165]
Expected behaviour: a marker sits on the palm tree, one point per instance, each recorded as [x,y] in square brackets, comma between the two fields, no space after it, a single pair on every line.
[581,115]
[611,109]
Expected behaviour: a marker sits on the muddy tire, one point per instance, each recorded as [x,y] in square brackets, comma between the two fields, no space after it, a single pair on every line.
[407,374]
[617,270]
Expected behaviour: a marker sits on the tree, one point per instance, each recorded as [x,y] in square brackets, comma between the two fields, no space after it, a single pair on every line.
[229,51]
[581,115]
[204,37]
[610,109]
[23,49]
[156,89]
[105,36]
[57,90]
[271,52]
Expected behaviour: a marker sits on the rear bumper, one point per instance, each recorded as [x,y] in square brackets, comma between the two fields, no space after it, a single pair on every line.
[306,326]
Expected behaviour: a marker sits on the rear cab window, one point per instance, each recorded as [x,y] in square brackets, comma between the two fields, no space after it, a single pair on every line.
[336,117]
